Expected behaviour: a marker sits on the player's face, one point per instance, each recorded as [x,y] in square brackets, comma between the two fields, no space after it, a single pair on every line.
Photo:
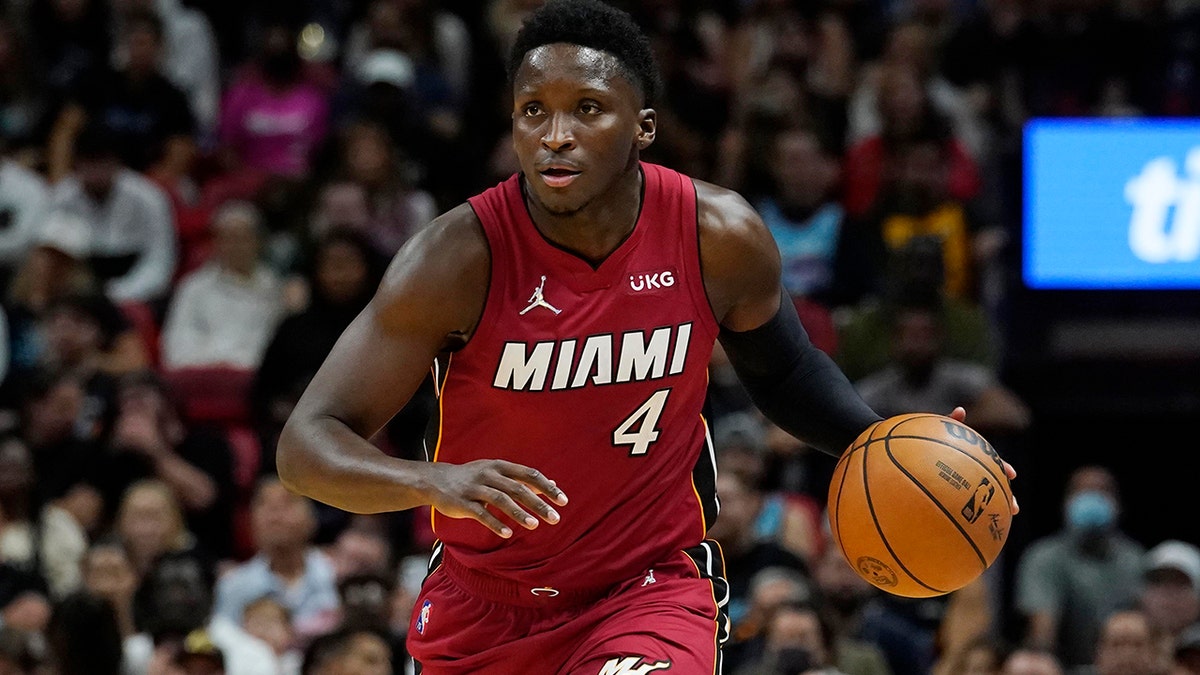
[578,124]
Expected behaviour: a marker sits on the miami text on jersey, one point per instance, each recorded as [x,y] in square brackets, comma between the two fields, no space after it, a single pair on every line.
[528,367]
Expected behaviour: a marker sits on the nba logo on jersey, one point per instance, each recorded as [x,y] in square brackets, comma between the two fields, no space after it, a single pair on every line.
[423,617]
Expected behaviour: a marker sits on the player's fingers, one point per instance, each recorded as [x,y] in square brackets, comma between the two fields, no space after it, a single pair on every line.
[476,510]
[1009,470]
[536,480]
[507,506]
[959,414]
[527,498]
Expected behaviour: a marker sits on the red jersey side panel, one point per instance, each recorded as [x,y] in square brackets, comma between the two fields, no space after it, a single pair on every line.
[596,377]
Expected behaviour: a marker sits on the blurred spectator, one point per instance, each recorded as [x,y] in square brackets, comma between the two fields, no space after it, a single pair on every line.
[174,599]
[922,378]
[274,115]
[22,94]
[1186,655]
[983,655]
[23,603]
[286,564]
[146,117]
[342,277]
[88,337]
[769,589]
[40,538]
[1031,662]
[361,651]
[109,574]
[190,59]
[268,620]
[224,313]
[689,42]
[198,655]
[374,190]
[24,201]
[437,40]
[1129,645]
[906,115]
[1170,593]
[71,38]
[911,45]
[83,637]
[18,653]
[54,267]
[843,592]
[1069,581]
[803,213]
[151,439]
[914,276]
[130,221]
[917,203]
[360,550]
[798,640]
[746,552]
[149,524]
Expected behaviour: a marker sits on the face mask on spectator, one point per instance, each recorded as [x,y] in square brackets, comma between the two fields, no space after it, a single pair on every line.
[1090,511]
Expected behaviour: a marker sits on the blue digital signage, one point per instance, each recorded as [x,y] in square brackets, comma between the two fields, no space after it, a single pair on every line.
[1112,204]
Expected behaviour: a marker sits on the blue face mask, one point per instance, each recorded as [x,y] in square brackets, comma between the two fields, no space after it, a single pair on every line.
[1090,511]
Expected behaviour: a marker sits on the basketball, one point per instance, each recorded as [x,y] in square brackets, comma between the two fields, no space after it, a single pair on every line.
[919,505]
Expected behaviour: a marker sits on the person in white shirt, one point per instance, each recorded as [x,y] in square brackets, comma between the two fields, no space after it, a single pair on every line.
[225,312]
[132,240]
[24,199]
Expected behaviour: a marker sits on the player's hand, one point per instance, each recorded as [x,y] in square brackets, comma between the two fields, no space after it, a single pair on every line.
[466,490]
[959,414]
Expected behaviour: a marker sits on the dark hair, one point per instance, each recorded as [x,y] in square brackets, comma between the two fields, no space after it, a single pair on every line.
[95,306]
[325,648]
[594,24]
[96,142]
[145,19]
[84,636]
[18,648]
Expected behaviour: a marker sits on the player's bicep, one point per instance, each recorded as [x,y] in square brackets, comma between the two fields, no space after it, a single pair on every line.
[741,261]
[372,371]
[433,290]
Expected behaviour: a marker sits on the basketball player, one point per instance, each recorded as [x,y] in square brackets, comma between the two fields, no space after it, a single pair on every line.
[569,314]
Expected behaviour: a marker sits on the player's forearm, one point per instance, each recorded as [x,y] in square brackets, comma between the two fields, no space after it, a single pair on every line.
[795,384]
[322,458]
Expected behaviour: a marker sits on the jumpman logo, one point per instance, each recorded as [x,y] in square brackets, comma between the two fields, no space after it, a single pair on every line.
[539,300]
[649,579]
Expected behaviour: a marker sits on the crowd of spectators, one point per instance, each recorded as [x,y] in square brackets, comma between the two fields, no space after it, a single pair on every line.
[197,197]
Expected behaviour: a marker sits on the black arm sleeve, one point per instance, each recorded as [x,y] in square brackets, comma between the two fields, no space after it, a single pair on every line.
[795,384]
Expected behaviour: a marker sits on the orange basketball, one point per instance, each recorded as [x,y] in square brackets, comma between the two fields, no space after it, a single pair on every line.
[919,505]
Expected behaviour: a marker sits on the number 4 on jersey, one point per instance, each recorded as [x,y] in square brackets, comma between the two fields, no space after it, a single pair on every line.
[640,429]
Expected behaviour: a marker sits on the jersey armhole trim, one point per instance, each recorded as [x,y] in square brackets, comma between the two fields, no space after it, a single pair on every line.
[702,298]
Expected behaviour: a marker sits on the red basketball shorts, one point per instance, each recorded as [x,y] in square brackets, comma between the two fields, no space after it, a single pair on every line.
[669,617]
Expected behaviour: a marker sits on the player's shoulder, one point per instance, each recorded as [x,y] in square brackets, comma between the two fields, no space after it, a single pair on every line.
[728,222]
[722,207]
[454,237]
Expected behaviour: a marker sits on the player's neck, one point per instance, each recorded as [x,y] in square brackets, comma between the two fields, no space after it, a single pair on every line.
[597,229]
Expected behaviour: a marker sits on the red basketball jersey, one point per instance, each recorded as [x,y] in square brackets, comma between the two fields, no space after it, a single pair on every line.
[597,377]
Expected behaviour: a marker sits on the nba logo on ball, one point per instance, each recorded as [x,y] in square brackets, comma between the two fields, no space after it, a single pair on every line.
[423,617]
[919,505]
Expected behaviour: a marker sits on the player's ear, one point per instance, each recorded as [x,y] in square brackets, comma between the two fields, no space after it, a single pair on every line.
[647,126]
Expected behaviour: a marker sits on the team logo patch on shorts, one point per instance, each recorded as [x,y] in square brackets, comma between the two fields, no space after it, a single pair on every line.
[423,617]
[632,665]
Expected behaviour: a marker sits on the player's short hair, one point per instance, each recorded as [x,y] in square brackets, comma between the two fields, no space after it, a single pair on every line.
[594,24]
